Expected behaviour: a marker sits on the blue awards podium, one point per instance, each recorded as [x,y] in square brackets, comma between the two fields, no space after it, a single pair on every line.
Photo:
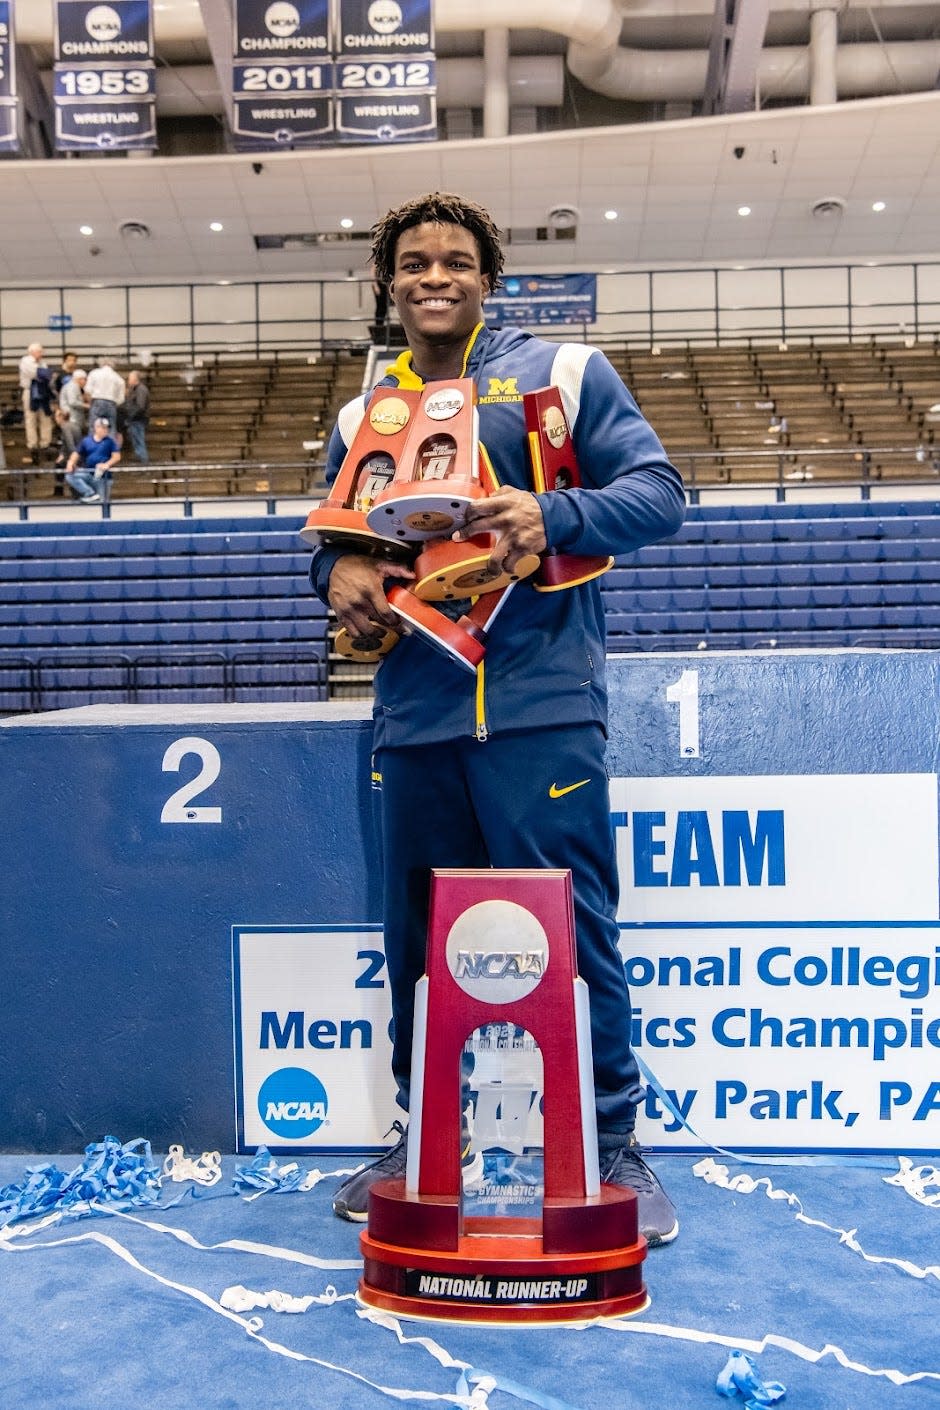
[192,934]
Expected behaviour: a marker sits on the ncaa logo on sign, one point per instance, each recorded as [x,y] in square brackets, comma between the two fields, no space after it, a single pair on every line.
[292,1103]
[103,23]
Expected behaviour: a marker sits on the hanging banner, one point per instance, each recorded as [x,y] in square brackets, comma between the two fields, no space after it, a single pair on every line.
[282,75]
[311,72]
[9,137]
[104,76]
[527,299]
[386,82]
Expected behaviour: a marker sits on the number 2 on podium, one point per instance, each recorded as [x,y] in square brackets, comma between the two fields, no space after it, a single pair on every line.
[176,809]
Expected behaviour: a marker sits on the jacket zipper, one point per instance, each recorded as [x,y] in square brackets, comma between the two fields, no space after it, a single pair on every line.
[481,732]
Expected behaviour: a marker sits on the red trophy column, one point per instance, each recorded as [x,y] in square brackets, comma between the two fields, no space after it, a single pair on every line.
[501,949]
[554,467]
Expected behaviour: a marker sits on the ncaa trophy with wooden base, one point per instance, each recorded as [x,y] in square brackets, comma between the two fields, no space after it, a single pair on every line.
[501,949]
[367,468]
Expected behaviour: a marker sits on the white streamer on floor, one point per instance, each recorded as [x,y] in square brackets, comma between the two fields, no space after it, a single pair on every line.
[805,1353]
[714,1174]
[916,1180]
[250,1325]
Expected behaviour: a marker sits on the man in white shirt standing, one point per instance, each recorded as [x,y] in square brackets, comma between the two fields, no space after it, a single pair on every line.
[37,410]
[104,391]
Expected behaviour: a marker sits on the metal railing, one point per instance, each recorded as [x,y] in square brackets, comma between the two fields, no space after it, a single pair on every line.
[691,306]
[781,471]
[186,483]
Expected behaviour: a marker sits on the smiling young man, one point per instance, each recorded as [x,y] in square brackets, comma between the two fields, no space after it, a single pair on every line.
[506,770]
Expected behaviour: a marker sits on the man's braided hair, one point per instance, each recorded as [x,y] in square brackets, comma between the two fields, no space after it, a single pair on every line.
[437,208]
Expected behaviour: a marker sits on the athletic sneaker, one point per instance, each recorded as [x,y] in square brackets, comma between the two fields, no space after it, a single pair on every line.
[351,1200]
[625,1166]
[91,499]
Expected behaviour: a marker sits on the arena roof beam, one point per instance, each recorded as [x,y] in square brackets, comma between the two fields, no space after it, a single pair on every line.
[220,27]
[737,38]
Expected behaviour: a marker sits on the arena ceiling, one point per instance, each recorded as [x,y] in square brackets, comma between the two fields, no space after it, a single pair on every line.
[810,176]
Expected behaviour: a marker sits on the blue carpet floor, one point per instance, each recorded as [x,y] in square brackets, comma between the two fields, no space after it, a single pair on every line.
[834,1292]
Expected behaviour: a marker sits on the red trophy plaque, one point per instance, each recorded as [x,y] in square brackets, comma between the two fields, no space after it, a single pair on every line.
[501,949]
[464,647]
[438,474]
[368,467]
[554,467]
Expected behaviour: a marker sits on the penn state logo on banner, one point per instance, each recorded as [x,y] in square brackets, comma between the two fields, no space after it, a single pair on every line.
[9,141]
[282,74]
[386,81]
[104,77]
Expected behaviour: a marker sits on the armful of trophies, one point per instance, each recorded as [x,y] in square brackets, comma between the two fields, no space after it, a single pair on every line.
[415,466]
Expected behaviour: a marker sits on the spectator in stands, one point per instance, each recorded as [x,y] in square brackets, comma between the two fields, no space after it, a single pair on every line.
[72,412]
[136,409]
[67,370]
[36,391]
[105,391]
[97,456]
[508,771]
[61,414]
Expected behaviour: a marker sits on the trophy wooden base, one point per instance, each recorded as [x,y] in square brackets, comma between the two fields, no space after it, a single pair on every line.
[423,510]
[334,524]
[567,570]
[447,571]
[581,1261]
[365,649]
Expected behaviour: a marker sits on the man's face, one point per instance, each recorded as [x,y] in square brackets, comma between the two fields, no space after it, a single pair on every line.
[438,287]
[69,361]
[101,430]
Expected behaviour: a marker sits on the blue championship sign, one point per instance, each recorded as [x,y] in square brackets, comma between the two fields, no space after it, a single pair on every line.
[310,72]
[386,84]
[104,88]
[8,134]
[527,299]
[282,74]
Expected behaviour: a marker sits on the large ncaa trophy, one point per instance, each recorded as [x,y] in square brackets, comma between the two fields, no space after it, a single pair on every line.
[367,468]
[501,949]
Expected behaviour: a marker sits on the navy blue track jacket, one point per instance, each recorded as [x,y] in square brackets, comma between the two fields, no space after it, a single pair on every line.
[545,654]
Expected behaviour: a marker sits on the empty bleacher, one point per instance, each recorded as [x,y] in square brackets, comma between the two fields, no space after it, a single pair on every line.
[216,610]
[740,577]
[158,611]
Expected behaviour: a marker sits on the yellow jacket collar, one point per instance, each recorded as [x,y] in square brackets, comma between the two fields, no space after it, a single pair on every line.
[403,371]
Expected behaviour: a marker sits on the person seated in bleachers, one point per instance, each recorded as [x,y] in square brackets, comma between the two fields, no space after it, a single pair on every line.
[97,455]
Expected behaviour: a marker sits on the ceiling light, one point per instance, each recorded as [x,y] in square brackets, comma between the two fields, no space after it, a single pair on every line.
[216,225]
[877,205]
[346,223]
[744,210]
[85,230]
[224,281]
[610,215]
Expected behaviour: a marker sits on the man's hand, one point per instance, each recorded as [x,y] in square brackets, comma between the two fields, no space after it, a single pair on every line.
[516,517]
[357,596]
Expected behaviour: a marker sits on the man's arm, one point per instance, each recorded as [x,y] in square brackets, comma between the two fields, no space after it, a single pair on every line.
[631,494]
